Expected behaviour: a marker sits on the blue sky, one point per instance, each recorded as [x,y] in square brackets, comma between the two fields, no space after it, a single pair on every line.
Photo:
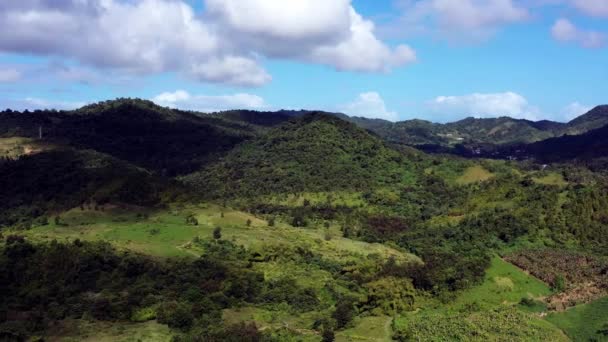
[440,60]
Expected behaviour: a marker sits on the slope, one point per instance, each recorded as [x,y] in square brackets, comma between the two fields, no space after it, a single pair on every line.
[167,141]
[317,152]
[36,186]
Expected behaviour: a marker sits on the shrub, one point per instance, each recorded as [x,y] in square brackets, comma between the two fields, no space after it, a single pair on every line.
[217,233]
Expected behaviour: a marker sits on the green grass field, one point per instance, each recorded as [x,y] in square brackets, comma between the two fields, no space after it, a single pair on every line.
[504,284]
[166,234]
[377,329]
[582,322]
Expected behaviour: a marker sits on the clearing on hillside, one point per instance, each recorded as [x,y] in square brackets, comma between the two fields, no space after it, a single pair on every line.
[586,322]
[474,174]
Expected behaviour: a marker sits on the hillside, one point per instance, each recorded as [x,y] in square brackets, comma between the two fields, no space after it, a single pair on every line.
[166,141]
[584,147]
[594,119]
[315,152]
[40,185]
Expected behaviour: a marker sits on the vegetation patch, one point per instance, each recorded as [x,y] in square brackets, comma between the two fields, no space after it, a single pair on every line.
[576,277]
[503,324]
[474,174]
[585,322]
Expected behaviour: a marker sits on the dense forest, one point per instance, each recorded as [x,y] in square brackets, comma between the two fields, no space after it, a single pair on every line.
[127,221]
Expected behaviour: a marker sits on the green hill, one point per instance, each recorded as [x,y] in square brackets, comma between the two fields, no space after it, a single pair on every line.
[595,118]
[316,152]
[167,141]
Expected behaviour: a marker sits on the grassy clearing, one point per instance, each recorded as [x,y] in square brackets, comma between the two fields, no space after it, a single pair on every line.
[166,233]
[17,146]
[474,174]
[553,178]
[97,331]
[376,329]
[582,322]
[505,284]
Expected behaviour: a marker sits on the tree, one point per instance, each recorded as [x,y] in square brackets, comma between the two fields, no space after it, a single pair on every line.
[328,335]
[344,313]
[560,283]
[217,233]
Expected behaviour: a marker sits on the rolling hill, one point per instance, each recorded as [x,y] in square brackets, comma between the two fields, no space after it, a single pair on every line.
[166,141]
[314,152]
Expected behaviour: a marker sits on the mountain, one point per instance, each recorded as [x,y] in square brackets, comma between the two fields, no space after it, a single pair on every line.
[584,147]
[166,141]
[503,130]
[314,152]
[595,118]
[256,118]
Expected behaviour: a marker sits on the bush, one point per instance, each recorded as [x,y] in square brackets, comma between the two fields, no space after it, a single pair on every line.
[175,315]
[217,233]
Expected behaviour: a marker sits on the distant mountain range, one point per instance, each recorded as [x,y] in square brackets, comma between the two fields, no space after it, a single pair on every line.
[495,131]
[176,142]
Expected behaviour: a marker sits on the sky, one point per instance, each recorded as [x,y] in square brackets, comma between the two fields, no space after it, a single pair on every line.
[439,60]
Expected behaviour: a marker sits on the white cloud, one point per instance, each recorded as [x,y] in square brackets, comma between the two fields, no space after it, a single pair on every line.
[182,99]
[461,19]
[574,110]
[231,70]
[369,105]
[318,31]
[363,51]
[9,75]
[220,46]
[565,31]
[485,105]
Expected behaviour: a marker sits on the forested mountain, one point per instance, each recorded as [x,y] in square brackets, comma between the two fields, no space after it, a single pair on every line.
[476,131]
[594,119]
[585,147]
[167,141]
[313,152]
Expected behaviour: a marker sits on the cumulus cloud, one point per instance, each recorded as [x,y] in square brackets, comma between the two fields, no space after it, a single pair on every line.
[469,19]
[565,31]
[369,105]
[222,45]
[9,75]
[182,99]
[362,51]
[485,105]
[318,31]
